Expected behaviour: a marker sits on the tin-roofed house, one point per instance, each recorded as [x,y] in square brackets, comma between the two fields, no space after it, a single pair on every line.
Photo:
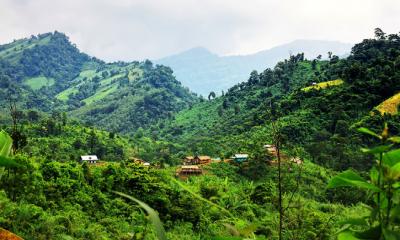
[240,157]
[91,159]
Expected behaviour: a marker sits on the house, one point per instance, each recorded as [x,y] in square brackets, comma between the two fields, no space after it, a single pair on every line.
[139,161]
[203,159]
[189,170]
[92,159]
[146,164]
[271,149]
[239,158]
[190,160]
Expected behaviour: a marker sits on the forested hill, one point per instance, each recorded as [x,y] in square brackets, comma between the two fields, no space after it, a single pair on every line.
[317,104]
[48,73]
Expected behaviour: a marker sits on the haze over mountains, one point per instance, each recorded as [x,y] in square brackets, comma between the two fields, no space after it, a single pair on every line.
[203,71]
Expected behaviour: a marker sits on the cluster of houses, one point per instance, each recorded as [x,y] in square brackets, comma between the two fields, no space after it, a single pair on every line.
[192,165]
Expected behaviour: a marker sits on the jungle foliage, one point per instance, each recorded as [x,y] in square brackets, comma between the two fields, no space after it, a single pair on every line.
[47,193]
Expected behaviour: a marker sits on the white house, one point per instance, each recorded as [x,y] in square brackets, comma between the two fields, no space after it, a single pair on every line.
[89,159]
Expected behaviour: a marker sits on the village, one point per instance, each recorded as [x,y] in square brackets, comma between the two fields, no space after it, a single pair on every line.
[194,165]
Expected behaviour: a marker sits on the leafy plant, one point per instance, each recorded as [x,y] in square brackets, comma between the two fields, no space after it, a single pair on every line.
[153,216]
[5,144]
[383,222]
[5,151]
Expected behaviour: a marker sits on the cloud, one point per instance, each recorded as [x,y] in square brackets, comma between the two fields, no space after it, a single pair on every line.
[139,29]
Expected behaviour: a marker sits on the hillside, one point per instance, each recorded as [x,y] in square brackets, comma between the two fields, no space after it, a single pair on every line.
[295,124]
[317,103]
[48,73]
[203,71]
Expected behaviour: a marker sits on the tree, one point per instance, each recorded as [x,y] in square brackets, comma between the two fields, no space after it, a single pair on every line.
[254,78]
[220,111]
[314,64]
[64,118]
[225,104]
[33,116]
[211,95]
[379,34]
[93,141]
[237,108]
[18,137]
[329,54]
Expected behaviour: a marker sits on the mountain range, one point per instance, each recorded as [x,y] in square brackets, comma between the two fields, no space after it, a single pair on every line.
[203,71]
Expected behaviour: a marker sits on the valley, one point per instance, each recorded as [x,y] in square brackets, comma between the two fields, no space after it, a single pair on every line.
[273,157]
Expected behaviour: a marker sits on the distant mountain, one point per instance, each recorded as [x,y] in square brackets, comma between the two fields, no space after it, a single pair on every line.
[203,71]
[49,73]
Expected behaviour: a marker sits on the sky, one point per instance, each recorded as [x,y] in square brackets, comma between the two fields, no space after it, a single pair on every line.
[150,29]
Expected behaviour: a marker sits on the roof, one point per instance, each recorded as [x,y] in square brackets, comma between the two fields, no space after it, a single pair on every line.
[190,167]
[204,157]
[189,157]
[269,146]
[146,164]
[241,155]
[89,158]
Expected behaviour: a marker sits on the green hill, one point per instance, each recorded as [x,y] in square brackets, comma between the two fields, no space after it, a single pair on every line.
[48,73]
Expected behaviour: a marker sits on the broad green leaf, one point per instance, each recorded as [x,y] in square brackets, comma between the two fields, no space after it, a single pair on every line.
[356,221]
[394,139]
[374,174]
[395,213]
[369,234]
[8,162]
[200,197]
[347,236]
[390,234]
[394,172]
[391,158]
[351,179]
[153,215]
[368,132]
[5,144]
[378,149]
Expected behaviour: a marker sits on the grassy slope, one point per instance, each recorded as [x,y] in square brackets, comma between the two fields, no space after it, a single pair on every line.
[390,106]
[323,85]
[37,83]
[108,85]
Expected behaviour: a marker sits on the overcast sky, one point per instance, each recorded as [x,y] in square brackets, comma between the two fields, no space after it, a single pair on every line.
[138,29]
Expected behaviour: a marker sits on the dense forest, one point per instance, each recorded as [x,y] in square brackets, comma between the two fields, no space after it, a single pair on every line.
[333,126]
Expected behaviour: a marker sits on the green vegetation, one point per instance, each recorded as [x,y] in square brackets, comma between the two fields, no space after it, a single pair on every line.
[49,73]
[127,112]
[389,106]
[382,221]
[39,82]
[323,85]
